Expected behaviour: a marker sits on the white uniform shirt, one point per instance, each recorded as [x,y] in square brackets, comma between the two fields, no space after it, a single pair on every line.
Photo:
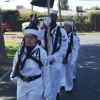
[31,68]
[64,43]
[75,47]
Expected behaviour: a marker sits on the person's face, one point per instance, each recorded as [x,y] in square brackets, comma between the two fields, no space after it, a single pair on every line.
[30,40]
[53,17]
[67,27]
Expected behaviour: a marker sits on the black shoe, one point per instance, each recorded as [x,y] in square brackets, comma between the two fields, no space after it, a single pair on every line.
[57,98]
[74,80]
[62,87]
[69,91]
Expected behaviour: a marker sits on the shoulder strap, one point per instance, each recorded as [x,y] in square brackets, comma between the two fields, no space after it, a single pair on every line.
[58,34]
[17,67]
[33,58]
[46,41]
[74,33]
[69,50]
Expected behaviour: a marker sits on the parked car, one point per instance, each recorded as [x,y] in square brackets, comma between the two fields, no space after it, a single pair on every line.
[6,27]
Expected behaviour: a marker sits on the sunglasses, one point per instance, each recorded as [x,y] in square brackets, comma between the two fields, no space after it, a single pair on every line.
[29,37]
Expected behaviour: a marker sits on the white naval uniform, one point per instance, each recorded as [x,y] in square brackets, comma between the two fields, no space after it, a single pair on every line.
[76,53]
[70,72]
[33,90]
[56,67]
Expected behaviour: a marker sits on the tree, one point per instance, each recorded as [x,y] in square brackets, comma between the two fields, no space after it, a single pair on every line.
[3,56]
[94,8]
[65,5]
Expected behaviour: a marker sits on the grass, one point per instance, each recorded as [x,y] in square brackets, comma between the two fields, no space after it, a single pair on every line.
[19,33]
[11,48]
[88,33]
[15,34]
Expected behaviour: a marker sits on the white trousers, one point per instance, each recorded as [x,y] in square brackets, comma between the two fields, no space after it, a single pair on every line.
[69,77]
[55,82]
[30,91]
[74,71]
[62,75]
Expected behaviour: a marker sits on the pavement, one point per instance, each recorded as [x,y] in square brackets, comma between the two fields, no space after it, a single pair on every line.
[87,84]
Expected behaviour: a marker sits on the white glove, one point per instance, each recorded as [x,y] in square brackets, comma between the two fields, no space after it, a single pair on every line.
[14,80]
[50,58]
[47,21]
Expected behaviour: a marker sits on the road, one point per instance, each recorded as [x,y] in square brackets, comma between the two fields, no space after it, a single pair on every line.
[87,84]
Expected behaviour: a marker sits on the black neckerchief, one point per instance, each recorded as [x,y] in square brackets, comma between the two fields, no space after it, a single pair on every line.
[68,33]
[33,25]
[52,26]
[29,49]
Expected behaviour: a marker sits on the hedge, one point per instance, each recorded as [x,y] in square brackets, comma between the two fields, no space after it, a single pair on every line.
[89,22]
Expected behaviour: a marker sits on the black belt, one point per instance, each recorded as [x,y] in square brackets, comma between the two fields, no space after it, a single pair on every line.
[28,79]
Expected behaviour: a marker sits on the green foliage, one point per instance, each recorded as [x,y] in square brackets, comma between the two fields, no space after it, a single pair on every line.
[10,16]
[26,16]
[16,19]
[11,48]
[19,33]
[87,22]
[81,23]
[94,19]
[94,8]
[65,5]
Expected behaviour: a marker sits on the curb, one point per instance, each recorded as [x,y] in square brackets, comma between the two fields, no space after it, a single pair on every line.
[5,74]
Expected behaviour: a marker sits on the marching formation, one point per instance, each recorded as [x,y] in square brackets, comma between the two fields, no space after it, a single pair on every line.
[46,60]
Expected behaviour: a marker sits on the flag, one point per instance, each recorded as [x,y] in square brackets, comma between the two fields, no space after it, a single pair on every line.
[42,3]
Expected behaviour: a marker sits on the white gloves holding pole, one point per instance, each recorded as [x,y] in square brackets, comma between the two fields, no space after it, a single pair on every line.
[47,21]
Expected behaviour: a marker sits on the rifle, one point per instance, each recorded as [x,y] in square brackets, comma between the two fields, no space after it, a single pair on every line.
[17,67]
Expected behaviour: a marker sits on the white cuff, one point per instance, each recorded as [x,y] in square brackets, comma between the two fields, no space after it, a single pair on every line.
[47,21]
[14,80]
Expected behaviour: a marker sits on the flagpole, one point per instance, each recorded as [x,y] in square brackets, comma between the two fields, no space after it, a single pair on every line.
[48,31]
[59,6]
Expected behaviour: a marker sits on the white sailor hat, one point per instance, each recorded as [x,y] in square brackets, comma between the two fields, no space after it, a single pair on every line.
[53,11]
[31,31]
[68,22]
